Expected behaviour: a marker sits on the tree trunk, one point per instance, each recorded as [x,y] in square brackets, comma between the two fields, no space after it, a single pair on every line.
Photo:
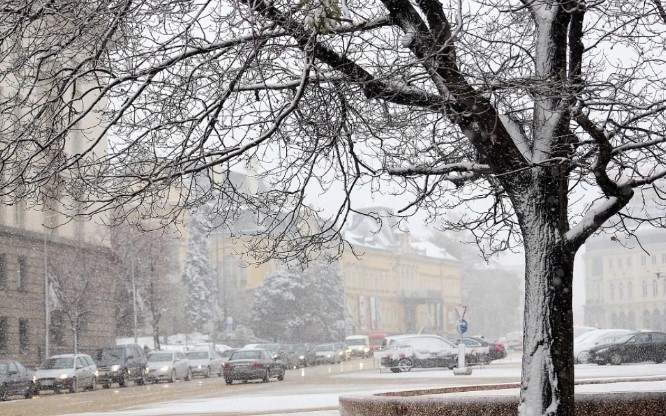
[547,370]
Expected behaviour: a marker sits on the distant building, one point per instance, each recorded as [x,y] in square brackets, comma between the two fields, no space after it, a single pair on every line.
[399,284]
[626,287]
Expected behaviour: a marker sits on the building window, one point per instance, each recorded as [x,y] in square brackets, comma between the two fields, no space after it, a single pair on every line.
[619,262]
[620,290]
[654,288]
[612,292]
[610,264]
[3,272]
[597,266]
[22,274]
[628,261]
[653,259]
[630,290]
[4,333]
[663,258]
[57,328]
[24,337]
[643,260]
[644,289]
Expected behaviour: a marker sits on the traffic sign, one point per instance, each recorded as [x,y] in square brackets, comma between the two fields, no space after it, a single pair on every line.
[461,326]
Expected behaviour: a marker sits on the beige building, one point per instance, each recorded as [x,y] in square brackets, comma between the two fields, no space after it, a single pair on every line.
[626,287]
[77,260]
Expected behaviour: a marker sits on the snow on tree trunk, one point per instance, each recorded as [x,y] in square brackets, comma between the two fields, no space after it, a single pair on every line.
[547,367]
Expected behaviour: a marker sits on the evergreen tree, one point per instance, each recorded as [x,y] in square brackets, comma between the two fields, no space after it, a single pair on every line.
[294,305]
[198,276]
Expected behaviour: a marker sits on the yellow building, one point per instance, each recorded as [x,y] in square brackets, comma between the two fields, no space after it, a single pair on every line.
[398,285]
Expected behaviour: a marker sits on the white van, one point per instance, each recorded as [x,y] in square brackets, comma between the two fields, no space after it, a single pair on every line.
[359,345]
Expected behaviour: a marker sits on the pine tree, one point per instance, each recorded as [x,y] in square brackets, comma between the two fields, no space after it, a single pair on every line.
[294,305]
[198,276]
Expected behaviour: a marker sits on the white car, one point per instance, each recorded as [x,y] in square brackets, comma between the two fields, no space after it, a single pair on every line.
[67,372]
[327,354]
[588,340]
[169,366]
[205,363]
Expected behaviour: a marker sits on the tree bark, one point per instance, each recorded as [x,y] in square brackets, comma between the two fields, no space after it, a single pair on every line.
[547,368]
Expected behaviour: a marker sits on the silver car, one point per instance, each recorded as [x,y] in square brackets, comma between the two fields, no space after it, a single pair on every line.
[168,366]
[205,363]
[67,372]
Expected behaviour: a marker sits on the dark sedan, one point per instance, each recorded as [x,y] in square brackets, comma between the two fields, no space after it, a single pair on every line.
[632,348]
[252,364]
[15,380]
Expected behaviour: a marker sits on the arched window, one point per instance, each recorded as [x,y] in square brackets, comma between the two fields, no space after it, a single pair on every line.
[630,290]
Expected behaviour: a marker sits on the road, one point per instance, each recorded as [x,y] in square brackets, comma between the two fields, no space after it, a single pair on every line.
[320,385]
[321,378]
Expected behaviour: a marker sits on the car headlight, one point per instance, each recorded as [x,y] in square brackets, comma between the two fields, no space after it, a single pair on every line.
[34,379]
[199,367]
[301,357]
[63,376]
[165,368]
[115,367]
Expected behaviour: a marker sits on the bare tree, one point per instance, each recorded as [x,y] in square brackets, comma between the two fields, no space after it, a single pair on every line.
[144,264]
[72,285]
[538,120]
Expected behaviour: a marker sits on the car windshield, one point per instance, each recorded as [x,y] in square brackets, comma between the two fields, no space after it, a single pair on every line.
[57,363]
[246,355]
[197,355]
[109,355]
[324,347]
[160,357]
[356,341]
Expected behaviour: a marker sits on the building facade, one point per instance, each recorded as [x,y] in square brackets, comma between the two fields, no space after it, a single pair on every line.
[626,287]
[398,284]
[75,263]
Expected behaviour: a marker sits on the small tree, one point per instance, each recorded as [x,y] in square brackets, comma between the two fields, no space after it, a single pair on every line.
[71,286]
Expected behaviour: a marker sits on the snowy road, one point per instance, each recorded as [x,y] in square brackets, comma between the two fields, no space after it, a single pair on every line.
[309,392]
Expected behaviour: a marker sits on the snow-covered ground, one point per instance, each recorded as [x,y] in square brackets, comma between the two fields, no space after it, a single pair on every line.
[316,402]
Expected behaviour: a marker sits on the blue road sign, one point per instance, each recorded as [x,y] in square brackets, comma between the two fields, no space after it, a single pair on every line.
[461,326]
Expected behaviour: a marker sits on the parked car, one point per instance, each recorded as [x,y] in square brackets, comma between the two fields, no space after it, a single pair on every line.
[169,366]
[589,340]
[476,352]
[404,352]
[327,354]
[205,363]
[632,348]
[359,345]
[306,355]
[120,364]
[496,349]
[15,380]
[67,371]
[252,364]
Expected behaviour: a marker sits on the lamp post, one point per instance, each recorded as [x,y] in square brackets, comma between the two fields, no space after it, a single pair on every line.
[47,309]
